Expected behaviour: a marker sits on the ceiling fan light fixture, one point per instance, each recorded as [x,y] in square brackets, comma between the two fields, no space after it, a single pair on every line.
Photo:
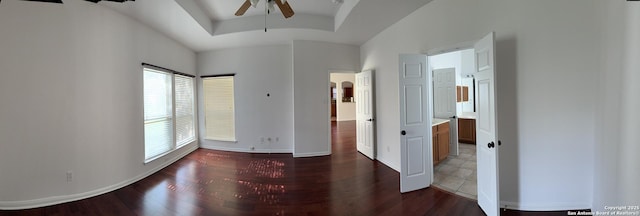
[254,3]
[271,7]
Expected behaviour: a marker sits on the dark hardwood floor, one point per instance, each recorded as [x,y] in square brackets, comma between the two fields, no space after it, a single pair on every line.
[208,182]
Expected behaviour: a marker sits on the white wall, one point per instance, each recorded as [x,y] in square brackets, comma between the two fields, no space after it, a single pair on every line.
[71,92]
[345,111]
[259,71]
[546,70]
[312,61]
[616,165]
[447,60]
[629,160]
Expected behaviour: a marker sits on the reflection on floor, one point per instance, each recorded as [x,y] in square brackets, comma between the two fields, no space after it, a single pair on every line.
[457,174]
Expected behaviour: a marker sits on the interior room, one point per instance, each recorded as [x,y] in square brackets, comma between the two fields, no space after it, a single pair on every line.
[220,107]
[343,106]
[454,110]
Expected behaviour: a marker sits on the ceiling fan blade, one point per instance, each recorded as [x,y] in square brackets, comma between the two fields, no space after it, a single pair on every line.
[243,8]
[285,8]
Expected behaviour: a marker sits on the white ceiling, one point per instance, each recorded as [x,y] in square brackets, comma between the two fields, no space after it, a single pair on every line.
[210,24]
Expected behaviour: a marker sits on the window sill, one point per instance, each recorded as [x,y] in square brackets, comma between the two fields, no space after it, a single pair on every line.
[221,140]
[147,161]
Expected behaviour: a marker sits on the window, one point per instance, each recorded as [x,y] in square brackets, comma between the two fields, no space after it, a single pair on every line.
[185,110]
[169,114]
[219,108]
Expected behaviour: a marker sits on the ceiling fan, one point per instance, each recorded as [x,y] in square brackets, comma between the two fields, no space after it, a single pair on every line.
[60,1]
[282,4]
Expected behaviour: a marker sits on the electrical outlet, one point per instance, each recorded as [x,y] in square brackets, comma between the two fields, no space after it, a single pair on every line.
[269,139]
[388,149]
[277,139]
[69,176]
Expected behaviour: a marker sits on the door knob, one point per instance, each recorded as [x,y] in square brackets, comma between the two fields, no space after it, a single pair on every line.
[370,119]
[499,142]
[491,145]
[403,132]
[452,117]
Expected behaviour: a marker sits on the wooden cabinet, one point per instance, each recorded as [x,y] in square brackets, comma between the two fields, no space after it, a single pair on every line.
[465,93]
[462,93]
[440,140]
[467,130]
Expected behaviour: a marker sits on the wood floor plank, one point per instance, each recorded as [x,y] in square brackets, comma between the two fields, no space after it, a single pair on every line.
[208,182]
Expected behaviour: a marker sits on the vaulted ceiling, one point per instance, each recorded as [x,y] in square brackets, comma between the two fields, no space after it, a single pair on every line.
[211,24]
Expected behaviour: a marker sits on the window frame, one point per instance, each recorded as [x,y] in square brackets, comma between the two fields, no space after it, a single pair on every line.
[233,139]
[174,142]
[194,112]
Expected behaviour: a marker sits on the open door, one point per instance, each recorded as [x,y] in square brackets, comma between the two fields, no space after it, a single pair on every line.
[415,122]
[365,127]
[486,128]
[444,100]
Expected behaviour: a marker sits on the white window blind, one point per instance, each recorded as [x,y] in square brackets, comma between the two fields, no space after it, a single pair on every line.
[169,111]
[219,108]
[185,111]
[158,112]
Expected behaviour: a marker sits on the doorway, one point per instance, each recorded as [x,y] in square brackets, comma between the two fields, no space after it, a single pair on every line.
[416,118]
[343,106]
[333,92]
[355,107]
[455,166]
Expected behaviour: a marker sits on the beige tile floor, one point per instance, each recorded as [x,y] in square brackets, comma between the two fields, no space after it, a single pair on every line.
[457,174]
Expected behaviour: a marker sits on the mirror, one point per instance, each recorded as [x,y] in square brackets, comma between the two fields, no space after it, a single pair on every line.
[333,92]
[469,105]
[347,91]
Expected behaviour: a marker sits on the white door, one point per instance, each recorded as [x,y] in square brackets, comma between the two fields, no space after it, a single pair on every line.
[486,133]
[415,121]
[365,127]
[444,102]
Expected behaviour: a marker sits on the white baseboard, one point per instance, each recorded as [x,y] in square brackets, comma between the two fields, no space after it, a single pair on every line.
[311,154]
[219,148]
[48,201]
[389,164]
[544,206]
